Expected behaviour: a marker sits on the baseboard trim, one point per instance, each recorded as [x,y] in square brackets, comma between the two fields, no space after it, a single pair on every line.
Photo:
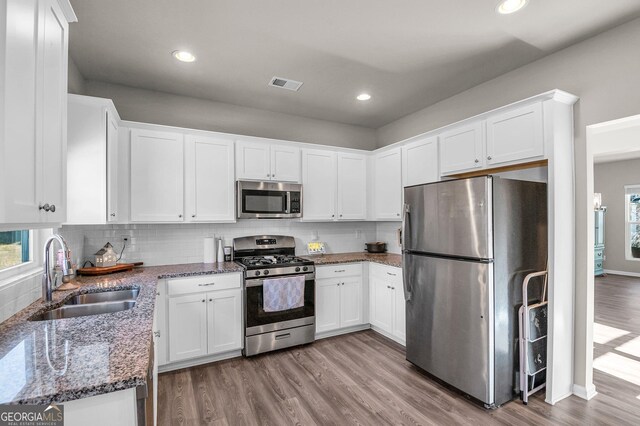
[198,361]
[584,393]
[556,400]
[388,335]
[624,273]
[341,331]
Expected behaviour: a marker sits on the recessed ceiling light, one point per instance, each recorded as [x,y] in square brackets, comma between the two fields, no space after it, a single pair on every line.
[363,97]
[505,7]
[183,56]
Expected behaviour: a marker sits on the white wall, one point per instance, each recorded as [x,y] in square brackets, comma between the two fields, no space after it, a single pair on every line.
[183,243]
[76,82]
[604,71]
[172,110]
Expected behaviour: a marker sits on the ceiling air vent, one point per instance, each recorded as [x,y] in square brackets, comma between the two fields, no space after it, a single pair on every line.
[285,83]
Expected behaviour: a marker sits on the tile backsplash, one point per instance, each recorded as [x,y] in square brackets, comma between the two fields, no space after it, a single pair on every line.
[183,243]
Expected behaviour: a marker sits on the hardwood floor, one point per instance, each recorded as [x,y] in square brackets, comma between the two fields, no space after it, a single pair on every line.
[363,378]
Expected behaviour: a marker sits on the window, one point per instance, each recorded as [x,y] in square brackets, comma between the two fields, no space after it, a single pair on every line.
[15,248]
[632,222]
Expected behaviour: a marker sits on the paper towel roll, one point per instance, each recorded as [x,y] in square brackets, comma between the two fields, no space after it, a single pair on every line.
[209,250]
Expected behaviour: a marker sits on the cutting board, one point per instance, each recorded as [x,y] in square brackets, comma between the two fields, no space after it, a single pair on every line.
[120,267]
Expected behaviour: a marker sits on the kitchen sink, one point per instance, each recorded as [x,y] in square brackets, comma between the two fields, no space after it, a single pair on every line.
[104,296]
[72,311]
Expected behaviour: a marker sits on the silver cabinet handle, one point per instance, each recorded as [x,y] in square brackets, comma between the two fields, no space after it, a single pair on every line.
[389,273]
[339,270]
[338,284]
[52,209]
[180,215]
[397,214]
[193,215]
[340,215]
[210,300]
[489,158]
[477,161]
[204,300]
[389,287]
[46,207]
[333,215]
[113,215]
[393,288]
[156,333]
[205,285]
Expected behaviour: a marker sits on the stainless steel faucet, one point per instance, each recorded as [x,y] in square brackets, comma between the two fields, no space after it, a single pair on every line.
[47,287]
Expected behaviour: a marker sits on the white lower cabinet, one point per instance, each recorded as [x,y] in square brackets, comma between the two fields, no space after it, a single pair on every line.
[387,305]
[340,297]
[203,317]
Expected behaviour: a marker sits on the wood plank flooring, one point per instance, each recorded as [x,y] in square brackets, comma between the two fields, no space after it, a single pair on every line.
[364,379]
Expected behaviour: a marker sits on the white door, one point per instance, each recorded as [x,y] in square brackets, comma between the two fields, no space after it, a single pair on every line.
[187,326]
[157,178]
[399,312]
[318,185]
[112,168]
[515,135]
[351,302]
[224,320]
[420,162]
[53,57]
[352,186]
[21,159]
[327,304]
[387,187]
[252,160]
[381,306]
[461,149]
[209,183]
[285,163]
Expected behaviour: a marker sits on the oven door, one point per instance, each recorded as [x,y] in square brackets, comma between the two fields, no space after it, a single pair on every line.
[257,321]
[271,200]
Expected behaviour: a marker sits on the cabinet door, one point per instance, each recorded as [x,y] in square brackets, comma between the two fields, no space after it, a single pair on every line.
[399,311]
[461,149]
[420,162]
[381,306]
[387,187]
[209,179]
[21,159]
[318,185]
[352,187]
[160,328]
[351,302]
[112,167]
[187,326]
[327,304]
[252,160]
[224,319]
[53,71]
[285,163]
[156,176]
[515,135]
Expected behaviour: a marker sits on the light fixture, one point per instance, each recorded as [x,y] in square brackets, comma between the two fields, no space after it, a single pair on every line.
[506,7]
[363,97]
[183,56]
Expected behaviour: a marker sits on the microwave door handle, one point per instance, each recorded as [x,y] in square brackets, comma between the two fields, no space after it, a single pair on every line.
[288,203]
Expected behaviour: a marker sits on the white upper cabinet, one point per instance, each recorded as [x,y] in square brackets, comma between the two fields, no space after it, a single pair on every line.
[352,186]
[319,177]
[515,135]
[420,162]
[209,182]
[461,149]
[266,161]
[157,176]
[92,161]
[387,185]
[33,118]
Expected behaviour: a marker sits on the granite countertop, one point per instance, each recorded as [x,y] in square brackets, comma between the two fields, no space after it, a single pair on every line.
[390,259]
[66,359]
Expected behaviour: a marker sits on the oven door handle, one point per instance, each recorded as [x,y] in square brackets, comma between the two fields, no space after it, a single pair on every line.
[253,282]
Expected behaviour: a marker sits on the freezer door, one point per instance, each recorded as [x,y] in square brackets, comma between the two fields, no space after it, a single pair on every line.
[450,218]
[450,322]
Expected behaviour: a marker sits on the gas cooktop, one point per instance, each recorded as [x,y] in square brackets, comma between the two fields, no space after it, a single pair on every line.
[275,261]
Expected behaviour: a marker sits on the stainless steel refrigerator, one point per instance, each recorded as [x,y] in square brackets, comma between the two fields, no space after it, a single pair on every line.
[468,245]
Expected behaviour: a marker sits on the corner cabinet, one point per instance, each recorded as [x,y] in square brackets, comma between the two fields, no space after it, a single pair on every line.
[387,185]
[33,120]
[267,161]
[387,305]
[157,176]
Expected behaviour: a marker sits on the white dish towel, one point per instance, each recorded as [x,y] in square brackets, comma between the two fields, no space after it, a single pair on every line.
[281,294]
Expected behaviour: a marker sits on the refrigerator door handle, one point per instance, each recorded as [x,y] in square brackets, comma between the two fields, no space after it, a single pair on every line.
[405,257]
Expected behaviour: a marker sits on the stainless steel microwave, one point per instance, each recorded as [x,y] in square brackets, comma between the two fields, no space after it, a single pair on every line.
[269,200]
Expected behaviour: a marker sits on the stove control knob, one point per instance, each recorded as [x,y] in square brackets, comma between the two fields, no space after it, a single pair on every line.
[304,268]
[257,273]
[297,269]
[266,272]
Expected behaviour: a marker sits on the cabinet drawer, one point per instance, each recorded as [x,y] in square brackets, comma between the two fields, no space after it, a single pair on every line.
[389,273]
[211,282]
[339,270]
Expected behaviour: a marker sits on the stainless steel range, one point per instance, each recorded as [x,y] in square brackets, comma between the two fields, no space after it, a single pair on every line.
[271,267]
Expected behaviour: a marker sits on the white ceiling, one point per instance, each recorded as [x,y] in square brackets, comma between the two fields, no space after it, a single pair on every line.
[408,54]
